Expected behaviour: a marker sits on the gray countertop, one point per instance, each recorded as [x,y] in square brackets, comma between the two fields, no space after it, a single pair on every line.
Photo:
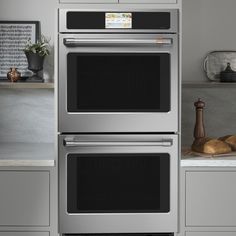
[43,154]
[191,158]
[27,154]
[219,161]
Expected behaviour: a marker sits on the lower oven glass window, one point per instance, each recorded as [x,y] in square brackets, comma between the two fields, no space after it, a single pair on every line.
[110,82]
[118,183]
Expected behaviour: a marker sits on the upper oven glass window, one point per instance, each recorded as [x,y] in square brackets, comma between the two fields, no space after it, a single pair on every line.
[118,183]
[110,82]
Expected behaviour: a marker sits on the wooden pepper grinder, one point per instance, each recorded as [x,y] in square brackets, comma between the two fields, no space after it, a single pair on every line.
[199,129]
[204,144]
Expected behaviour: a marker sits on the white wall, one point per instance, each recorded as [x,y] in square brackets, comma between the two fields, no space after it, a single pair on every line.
[36,10]
[28,115]
[208,25]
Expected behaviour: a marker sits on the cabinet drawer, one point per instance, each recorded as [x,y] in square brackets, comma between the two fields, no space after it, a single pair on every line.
[24,198]
[149,1]
[88,1]
[211,198]
[121,1]
[24,233]
[210,233]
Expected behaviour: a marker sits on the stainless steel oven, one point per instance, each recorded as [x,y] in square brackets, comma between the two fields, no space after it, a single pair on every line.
[118,71]
[118,184]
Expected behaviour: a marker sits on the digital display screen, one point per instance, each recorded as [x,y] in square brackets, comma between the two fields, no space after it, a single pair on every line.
[118,20]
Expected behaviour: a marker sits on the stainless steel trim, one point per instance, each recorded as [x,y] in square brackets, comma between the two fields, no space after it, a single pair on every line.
[164,143]
[73,42]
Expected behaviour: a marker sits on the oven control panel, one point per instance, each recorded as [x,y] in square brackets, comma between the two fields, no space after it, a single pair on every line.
[118,21]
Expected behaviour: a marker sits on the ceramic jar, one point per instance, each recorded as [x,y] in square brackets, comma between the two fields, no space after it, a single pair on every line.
[13,75]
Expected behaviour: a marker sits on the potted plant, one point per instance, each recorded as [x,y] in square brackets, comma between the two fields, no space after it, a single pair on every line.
[35,54]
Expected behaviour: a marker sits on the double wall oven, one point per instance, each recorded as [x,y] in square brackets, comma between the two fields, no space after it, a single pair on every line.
[118,119]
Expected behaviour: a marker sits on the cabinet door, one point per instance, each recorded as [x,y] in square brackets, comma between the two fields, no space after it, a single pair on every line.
[149,1]
[24,233]
[88,1]
[210,233]
[24,198]
[211,198]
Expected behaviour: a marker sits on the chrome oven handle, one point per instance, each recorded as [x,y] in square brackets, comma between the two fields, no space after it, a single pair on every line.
[76,42]
[73,143]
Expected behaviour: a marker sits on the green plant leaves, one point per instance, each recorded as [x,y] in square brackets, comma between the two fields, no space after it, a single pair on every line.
[41,47]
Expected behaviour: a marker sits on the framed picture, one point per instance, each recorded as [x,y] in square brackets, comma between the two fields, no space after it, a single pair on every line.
[13,38]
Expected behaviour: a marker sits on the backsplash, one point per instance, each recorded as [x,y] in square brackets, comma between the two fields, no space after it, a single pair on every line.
[205,31]
[219,113]
[27,115]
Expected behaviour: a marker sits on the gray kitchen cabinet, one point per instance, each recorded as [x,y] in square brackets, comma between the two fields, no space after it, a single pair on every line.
[210,199]
[209,233]
[88,1]
[122,1]
[207,197]
[25,197]
[24,234]
[149,1]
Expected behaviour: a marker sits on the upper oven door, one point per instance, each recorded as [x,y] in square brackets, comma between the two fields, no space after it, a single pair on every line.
[118,183]
[118,83]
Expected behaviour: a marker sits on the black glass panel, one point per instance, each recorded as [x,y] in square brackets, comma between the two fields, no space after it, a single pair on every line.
[85,20]
[118,82]
[140,20]
[118,183]
[151,20]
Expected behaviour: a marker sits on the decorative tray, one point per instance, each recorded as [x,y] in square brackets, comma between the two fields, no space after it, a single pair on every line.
[216,62]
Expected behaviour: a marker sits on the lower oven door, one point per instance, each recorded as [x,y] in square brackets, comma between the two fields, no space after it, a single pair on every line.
[118,183]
